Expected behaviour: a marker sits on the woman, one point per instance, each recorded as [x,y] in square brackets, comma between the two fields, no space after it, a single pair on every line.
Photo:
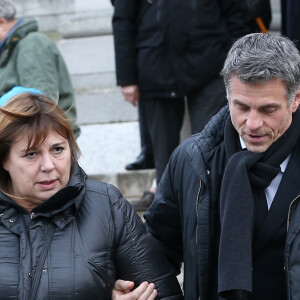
[62,235]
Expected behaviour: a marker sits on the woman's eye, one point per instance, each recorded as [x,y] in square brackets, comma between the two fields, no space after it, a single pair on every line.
[31,154]
[58,150]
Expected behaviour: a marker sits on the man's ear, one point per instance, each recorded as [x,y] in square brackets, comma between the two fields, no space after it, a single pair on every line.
[3,21]
[296,101]
[4,28]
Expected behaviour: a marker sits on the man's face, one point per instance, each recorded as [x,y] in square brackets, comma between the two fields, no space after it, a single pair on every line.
[2,32]
[5,26]
[260,112]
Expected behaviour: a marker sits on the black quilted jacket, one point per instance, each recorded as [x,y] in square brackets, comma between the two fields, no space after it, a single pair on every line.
[75,245]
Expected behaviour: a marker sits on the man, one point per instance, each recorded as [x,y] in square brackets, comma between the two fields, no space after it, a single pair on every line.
[169,50]
[223,211]
[29,58]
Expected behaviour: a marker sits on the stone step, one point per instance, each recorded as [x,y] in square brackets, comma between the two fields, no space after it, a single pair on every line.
[110,133]
[89,55]
[74,18]
[106,149]
[103,106]
[69,17]
[91,63]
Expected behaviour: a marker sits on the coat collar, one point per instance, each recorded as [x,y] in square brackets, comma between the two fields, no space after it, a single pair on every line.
[288,190]
[60,207]
[11,42]
[207,143]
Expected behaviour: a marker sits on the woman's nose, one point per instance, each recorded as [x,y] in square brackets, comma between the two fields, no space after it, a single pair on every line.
[47,163]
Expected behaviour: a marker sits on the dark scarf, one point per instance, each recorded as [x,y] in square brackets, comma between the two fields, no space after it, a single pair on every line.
[245,172]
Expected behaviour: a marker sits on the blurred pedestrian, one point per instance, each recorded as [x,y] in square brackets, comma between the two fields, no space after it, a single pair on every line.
[29,58]
[167,51]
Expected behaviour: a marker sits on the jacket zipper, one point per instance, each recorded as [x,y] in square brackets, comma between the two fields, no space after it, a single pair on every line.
[38,272]
[197,205]
[285,267]
[289,212]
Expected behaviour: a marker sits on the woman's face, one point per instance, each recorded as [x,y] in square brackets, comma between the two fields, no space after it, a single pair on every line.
[39,174]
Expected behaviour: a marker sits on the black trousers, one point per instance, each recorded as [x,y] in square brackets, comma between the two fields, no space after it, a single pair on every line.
[205,103]
[146,141]
[164,119]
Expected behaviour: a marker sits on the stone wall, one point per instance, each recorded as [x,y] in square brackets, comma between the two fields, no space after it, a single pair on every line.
[69,17]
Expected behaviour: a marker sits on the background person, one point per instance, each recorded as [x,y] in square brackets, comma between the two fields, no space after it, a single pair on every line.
[29,58]
[167,51]
[260,15]
[64,236]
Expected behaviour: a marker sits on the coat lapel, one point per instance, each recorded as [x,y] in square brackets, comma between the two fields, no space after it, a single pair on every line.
[289,188]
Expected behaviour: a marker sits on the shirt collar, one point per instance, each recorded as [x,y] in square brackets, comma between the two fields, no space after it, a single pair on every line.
[283,165]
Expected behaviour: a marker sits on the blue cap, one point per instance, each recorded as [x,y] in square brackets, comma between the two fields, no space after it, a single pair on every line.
[17,90]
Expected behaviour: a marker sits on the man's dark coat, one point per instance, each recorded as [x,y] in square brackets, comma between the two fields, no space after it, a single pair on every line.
[171,47]
[185,214]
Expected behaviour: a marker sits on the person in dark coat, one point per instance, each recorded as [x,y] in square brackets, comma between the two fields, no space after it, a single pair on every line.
[260,15]
[290,20]
[228,202]
[166,51]
[63,235]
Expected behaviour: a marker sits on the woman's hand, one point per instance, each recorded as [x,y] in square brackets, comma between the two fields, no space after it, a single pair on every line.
[123,291]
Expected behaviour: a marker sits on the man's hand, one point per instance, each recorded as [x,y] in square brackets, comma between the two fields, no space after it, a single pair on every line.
[122,291]
[131,94]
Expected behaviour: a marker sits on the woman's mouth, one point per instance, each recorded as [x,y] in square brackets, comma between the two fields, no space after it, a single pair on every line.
[47,184]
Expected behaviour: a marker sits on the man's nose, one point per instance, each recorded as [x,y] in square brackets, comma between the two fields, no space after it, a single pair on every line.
[254,120]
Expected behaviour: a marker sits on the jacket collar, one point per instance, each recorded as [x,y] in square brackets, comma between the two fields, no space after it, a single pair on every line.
[207,142]
[11,31]
[18,34]
[62,206]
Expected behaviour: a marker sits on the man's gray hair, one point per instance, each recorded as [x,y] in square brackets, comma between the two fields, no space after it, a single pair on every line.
[7,10]
[257,58]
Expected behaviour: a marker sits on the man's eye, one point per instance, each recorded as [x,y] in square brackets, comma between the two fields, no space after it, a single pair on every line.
[269,110]
[242,107]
